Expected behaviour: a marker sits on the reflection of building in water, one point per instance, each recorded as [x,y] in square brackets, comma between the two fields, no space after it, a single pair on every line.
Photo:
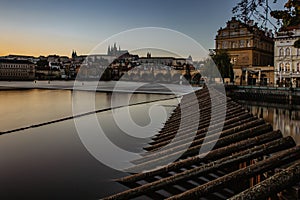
[286,120]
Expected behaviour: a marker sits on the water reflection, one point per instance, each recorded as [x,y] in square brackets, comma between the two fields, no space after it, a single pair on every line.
[282,117]
[21,108]
[50,162]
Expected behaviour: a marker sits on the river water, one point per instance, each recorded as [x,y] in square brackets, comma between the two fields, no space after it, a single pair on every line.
[51,162]
[285,118]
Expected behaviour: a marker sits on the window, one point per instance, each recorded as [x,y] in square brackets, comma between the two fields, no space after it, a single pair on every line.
[233,60]
[298,67]
[234,44]
[242,43]
[288,52]
[281,52]
[288,67]
[225,45]
[280,67]
[248,43]
[298,52]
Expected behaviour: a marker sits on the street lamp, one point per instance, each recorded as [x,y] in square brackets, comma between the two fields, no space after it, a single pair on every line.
[291,83]
[269,75]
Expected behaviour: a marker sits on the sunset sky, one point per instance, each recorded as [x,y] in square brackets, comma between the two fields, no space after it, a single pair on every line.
[36,27]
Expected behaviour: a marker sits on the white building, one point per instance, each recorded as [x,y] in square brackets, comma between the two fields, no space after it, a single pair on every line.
[287,59]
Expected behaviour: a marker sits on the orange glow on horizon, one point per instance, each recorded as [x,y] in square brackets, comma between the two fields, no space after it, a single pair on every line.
[31,44]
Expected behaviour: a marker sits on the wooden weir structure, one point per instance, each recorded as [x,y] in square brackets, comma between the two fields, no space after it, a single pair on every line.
[244,163]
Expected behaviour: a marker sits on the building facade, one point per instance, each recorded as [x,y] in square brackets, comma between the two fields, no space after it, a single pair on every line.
[287,58]
[248,46]
[176,63]
[16,70]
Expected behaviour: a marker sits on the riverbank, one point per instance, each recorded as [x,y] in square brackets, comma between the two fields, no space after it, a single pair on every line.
[267,94]
[102,86]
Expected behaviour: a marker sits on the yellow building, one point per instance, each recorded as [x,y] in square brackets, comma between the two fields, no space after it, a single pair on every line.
[249,47]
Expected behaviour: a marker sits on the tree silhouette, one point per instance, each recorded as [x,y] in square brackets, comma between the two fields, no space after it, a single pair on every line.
[218,64]
[297,44]
[224,65]
[290,17]
[257,10]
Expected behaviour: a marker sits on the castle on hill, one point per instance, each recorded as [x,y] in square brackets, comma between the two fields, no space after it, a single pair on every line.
[114,51]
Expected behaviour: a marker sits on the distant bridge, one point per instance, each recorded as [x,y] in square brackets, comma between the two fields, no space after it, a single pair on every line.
[160,75]
[141,74]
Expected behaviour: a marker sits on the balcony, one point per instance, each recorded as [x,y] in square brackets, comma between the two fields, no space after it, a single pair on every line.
[286,74]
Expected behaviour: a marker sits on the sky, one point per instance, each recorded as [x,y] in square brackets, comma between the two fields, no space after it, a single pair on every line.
[38,27]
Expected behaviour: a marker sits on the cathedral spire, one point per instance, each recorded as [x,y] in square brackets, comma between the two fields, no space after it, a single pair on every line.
[108,50]
[74,54]
[115,46]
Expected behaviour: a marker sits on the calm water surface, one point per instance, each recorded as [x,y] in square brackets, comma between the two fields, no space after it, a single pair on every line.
[283,117]
[50,162]
[21,108]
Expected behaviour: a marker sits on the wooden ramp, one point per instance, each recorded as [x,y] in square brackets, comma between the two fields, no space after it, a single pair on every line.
[243,164]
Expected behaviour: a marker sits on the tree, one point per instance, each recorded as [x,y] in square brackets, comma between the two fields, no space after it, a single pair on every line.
[224,65]
[218,65]
[210,70]
[247,10]
[297,44]
[289,17]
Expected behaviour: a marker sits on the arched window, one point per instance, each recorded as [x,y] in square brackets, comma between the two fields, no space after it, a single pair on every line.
[248,43]
[288,52]
[280,67]
[234,44]
[288,67]
[298,67]
[281,52]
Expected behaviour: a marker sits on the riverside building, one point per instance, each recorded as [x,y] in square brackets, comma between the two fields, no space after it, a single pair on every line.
[287,58]
[16,70]
[251,50]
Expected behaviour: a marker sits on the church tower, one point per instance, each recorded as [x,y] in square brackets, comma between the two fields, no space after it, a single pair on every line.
[108,50]
[148,55]
[74,54]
